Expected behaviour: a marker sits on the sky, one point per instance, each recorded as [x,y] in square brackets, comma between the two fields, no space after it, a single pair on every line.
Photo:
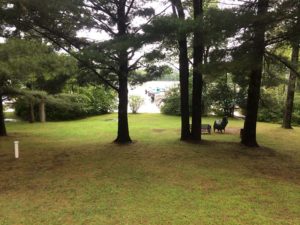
[159,6]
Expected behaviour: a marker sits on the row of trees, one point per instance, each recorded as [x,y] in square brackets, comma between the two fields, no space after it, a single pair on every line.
[256,34]
[36,75]
[28,66]
[237,40]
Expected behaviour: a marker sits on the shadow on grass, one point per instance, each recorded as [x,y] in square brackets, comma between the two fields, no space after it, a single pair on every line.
[71,160]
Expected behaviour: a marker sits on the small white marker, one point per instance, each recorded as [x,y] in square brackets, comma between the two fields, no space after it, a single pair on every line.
[16,149]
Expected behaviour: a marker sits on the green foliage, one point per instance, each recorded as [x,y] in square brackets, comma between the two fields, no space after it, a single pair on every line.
[101,100]
[296,113]
[31,64]
[151,72]
[59,107]
[19,61]
[222,95]
[86,102]
[171,103]
[68,107]
[135,102]
[271,105]
[55,71]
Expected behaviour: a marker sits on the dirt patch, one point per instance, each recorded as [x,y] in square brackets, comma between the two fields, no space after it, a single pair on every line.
[111,120]
[233,130]
[158,130]
[59,159]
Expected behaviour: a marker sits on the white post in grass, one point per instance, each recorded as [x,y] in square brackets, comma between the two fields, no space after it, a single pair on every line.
[16,149]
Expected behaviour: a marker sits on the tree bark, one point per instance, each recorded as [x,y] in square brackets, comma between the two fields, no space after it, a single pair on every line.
[31,112]
[123,128]
[42,112]
[257,54]
[289,104]
[184,78]
[2,122]
[197,71]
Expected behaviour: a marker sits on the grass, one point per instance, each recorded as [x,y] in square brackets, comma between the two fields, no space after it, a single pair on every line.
[71,173]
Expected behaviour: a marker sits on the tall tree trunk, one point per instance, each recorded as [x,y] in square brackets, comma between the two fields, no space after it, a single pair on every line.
[31,112]
[287,119]
[42,112]
[197,71]
[123,128]
[2,122]
[257,54]
[184,78]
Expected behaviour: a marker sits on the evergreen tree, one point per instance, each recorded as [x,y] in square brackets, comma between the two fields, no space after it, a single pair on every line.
[295,43]
[19,59]
[256,57]
[178,11]
[198,52]
[112,60]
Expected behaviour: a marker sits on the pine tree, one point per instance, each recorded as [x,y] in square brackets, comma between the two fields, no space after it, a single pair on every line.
[183,74]
[198,51]
[112,60]
[295,42]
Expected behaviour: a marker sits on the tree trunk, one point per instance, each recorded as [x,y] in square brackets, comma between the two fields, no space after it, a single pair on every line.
[123,128]
[184,78]
[42,112]
[257,54]
[31,112]
[197,71]
[289,104]
[2,122]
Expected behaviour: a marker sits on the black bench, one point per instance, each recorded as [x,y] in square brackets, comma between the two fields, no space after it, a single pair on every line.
[206,128]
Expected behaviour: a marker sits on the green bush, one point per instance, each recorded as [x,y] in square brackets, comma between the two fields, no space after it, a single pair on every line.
[135,102]
[222,98]
[101,100]
[296,113]
[171,102]
[58,107]
[87,102]
[271,106]
[67,107]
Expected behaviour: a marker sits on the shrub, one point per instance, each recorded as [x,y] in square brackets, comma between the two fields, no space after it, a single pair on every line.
[87,102]
[58,107]
[296,114]
[222,98]
[135,102]
[271,106]
[67,107]
[171,102]
[101,100]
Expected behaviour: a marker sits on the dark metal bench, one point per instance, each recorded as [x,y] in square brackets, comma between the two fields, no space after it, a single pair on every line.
[206,128]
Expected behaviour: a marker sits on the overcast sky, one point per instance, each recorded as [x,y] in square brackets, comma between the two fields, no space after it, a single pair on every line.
[159,6]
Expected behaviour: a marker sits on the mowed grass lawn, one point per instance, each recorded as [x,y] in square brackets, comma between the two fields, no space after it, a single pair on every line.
[72,173]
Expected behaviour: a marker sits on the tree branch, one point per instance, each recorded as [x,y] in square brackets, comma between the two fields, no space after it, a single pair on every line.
[284,62]
[84,63]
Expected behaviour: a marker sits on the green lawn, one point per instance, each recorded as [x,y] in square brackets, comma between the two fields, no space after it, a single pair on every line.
[72,173]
